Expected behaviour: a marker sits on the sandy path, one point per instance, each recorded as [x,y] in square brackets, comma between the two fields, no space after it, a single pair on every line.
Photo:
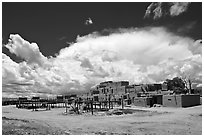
[156,121]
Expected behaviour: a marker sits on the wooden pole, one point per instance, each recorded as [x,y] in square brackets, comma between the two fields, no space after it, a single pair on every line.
[100,105]
[109,102]
[35,105]
[77,108]
[87,105]
[122,102]
[32,105]
[19,102]
[66,106]
[92,106]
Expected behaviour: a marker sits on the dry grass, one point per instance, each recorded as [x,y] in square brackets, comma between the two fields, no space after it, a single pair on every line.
[13,126]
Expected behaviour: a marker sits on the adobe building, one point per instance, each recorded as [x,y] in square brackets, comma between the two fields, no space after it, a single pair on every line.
[122,89]
[141,95]
[110,87]
[154,87]
[181,100]
[135,89]
[157,99]
[106,83]
[60,97]
[109,90]
[22,99]
[132,92]
[143,101]
[148,101]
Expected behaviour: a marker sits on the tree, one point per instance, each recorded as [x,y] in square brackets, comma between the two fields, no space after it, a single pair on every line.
[175,84]
[189,73]
[188,83]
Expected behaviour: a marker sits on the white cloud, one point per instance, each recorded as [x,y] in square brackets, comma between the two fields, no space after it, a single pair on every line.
[131,46]
[159,9]
[28,51]
[178,7]
[88,21]
[10,71]
[196,48]
[144,55]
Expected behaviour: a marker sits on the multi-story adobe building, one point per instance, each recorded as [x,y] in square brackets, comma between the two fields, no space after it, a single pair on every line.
[110,90]
[116,90]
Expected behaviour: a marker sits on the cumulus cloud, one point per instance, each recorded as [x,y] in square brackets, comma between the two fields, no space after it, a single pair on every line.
[159,9]
[88,21]
[26,50]
[139,55]
[178,8]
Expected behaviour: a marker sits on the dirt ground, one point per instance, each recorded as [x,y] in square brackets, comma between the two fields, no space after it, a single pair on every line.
[144,121]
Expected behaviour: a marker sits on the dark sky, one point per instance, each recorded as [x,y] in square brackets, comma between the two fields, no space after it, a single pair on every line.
[51,25]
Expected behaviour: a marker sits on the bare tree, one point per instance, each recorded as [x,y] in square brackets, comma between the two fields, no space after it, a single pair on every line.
[188,82]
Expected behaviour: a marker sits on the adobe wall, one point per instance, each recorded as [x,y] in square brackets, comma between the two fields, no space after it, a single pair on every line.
[142,101]
[181,100]
[190,100]
[157,99]
[172,101]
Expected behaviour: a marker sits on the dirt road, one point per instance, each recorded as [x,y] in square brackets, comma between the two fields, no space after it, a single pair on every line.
[159,120]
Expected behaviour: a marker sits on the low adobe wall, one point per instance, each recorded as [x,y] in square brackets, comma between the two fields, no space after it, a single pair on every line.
[181,100]
[190,100]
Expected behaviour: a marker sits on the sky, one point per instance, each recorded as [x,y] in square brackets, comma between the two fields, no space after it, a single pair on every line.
[60,48]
